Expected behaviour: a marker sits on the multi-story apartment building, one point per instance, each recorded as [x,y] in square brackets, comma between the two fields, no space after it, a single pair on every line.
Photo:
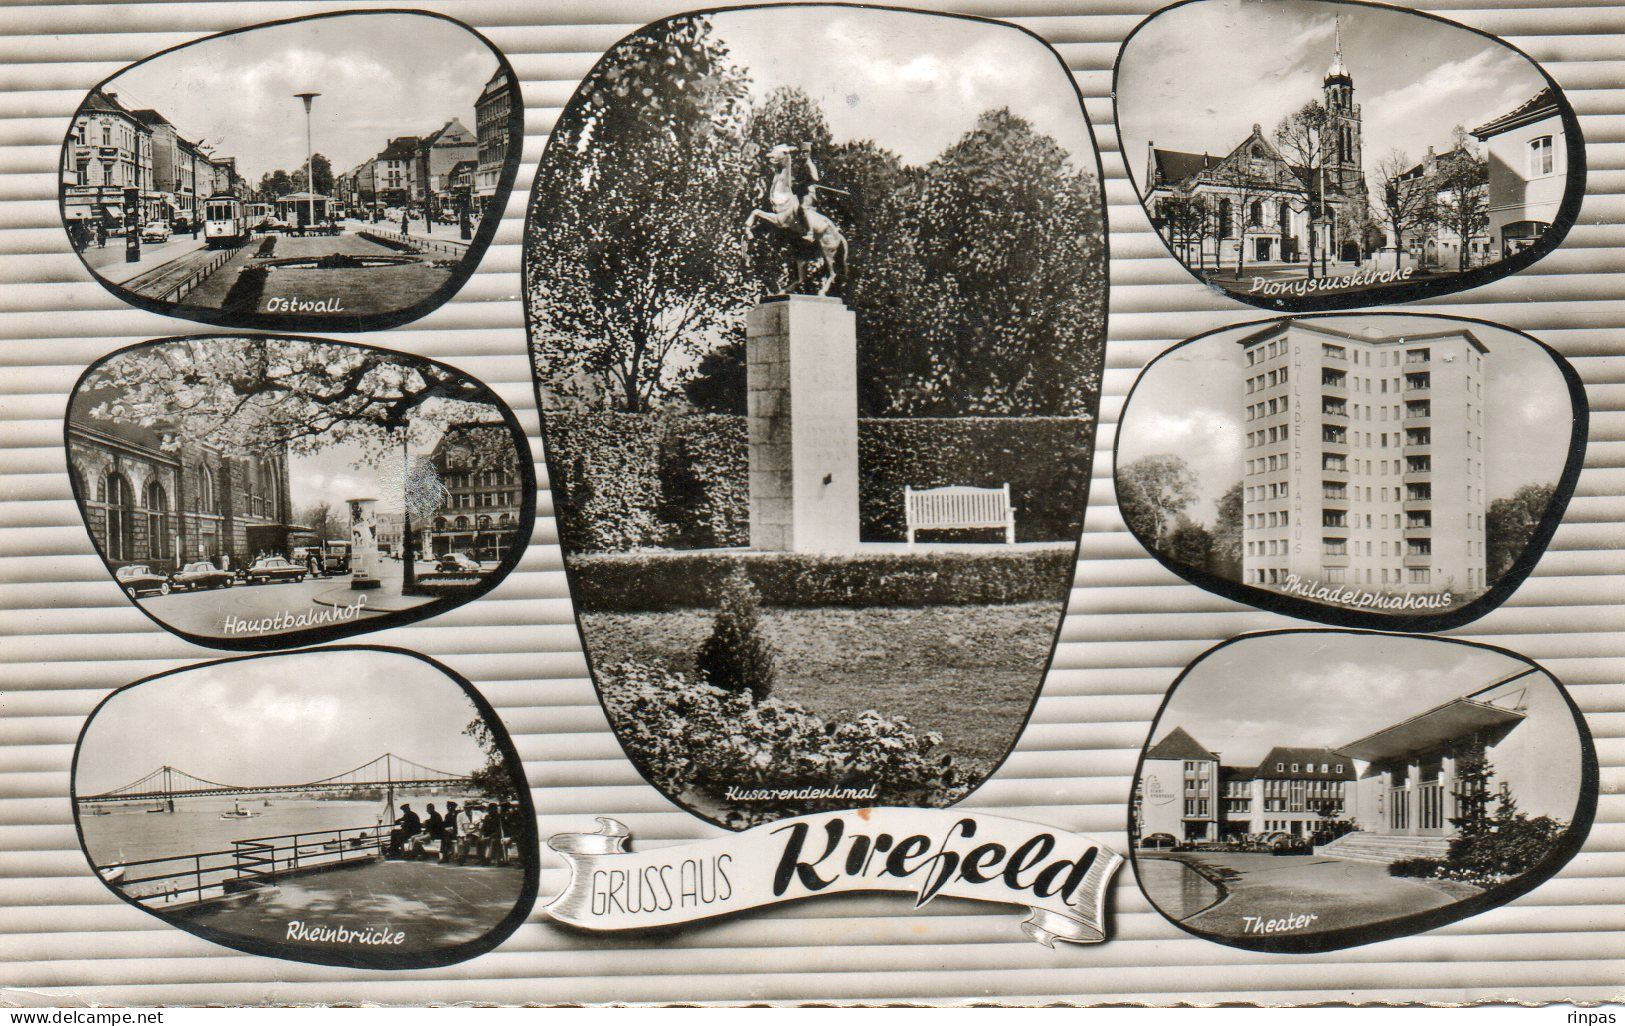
[396,170]
[438,154]
[111,152]
[492,112]
[484,505]
[1363,464]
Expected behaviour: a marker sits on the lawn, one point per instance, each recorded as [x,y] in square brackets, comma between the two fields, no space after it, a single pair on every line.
[969,672]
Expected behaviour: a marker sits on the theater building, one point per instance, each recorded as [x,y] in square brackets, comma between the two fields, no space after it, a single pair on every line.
[145,503]
[483,507]
[1363,462]
[1528,170]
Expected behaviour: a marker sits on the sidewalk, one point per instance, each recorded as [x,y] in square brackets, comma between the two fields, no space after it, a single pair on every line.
[109,263]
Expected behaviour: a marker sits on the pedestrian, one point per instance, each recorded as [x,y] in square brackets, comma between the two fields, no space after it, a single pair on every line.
[405,223]
[101,233]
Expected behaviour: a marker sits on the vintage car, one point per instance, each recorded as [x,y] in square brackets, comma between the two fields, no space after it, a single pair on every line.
[274,568]
[138,579]
[457,563]
[197,576]
[1155,841]
[155,231]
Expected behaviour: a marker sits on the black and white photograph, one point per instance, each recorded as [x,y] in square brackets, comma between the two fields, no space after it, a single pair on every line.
[1381,466]
[816,299]
[337,172]
[259,492]
[1342,154]
[355,806]
[1308,790]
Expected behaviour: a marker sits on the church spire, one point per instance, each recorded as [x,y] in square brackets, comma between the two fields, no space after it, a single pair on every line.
[1338,70]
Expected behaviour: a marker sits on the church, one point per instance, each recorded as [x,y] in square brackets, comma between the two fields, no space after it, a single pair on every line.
[1253,205]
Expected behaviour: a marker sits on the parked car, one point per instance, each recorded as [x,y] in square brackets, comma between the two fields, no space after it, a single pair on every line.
[335,557]
[155,231]
[138,579]
[1158,841]
[457,563]
[197,576]
[274,568]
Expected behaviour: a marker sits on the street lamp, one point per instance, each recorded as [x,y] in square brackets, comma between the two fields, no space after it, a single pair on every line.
[310,163]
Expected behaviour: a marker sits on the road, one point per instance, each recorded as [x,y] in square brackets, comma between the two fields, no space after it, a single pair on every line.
[249,610]
[109,263]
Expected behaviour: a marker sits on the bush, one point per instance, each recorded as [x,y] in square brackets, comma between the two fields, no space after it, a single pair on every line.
[1423,868]
[695,740]
[692,580]
[1513,845]
[624,481]
[737,657]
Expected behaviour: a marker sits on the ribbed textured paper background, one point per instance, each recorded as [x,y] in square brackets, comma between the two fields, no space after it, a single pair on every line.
[67,636]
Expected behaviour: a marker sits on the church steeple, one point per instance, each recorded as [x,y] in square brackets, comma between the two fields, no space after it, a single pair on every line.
[1338,69]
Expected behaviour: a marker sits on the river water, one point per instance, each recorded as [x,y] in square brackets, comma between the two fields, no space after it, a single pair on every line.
[131,834]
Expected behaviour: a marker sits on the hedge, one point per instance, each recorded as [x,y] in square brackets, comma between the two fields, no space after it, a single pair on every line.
[626,481]
[647,582]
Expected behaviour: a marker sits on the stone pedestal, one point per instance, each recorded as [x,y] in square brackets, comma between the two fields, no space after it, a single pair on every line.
[364,544]
[802,374]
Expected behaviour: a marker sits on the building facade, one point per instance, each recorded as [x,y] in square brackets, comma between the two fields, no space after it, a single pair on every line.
[1436,244]
[1251,205]
[1528,172]
[1410,784]
[396,168]
[492,112]
[483,509]
[438,155]
[1363,463]
[162,506]
[1188,794]
[109,152]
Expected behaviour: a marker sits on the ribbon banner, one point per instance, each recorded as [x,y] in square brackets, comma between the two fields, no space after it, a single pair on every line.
[1061,877]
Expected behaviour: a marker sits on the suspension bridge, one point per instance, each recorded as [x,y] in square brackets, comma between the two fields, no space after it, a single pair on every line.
[388,772]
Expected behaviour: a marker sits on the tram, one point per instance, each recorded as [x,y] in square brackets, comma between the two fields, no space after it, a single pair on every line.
[259,214]
[225,223]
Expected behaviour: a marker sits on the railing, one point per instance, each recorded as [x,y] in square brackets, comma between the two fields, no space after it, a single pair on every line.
[178,291]
[200,876]
[428,242]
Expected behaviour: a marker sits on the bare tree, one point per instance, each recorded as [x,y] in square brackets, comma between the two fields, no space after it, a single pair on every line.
[1405,205]
[1244,185]
[1181,217]
[1302,138]
[1462,187]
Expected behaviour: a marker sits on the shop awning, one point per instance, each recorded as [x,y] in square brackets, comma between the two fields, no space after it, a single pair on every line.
[1454,720]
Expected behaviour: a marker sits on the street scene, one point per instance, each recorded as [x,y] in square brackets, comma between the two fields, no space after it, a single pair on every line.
[239,488]
[1319,783]
[355,807]
[301,186]
[1319,158]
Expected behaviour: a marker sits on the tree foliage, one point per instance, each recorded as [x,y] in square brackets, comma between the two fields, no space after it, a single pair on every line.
[635,256]
[1510,523]
[1152,492]
[493,780]
[261,396]
[1303,140]
[1462,180]
[738,656]
[1403,206]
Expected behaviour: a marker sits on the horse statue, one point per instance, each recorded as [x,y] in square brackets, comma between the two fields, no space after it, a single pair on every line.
[813,239]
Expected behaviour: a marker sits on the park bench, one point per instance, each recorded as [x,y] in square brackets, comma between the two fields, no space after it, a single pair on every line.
[959,506]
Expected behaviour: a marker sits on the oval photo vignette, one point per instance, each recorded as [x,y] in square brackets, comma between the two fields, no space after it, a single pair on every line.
[262,492]
[193,200]
[1344,173]
[734,565]
[374,814]
[1386,471]
[1375,786]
